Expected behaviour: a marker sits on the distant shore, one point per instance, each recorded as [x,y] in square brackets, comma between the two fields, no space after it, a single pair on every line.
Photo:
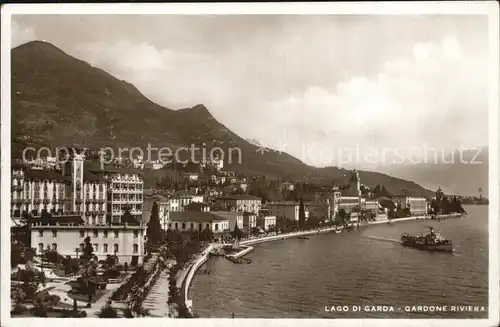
[203,256]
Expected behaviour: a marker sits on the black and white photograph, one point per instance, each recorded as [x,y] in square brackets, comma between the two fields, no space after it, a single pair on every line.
[287,161]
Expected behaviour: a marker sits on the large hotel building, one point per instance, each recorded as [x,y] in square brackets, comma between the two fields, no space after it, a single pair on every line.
[81,199]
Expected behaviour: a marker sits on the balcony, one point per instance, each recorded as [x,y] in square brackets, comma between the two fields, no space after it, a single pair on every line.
[38,201]
[78,201]
[100,201]
[17,188]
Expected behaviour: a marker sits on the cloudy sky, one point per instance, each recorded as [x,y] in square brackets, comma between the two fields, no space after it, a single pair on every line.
[309,85]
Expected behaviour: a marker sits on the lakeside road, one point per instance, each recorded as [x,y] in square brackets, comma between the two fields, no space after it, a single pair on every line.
[202,257]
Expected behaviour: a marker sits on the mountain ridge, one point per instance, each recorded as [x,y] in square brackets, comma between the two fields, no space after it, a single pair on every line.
[60,100]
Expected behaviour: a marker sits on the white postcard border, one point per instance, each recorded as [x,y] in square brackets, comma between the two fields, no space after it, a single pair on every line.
[489,8]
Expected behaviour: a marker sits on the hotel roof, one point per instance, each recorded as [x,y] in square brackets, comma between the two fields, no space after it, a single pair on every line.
[183,193]
[239,197]
[96,167]
[196,216]
[46,174]
[284,203]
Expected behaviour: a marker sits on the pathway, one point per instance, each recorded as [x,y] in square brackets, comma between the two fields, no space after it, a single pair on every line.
[156,301]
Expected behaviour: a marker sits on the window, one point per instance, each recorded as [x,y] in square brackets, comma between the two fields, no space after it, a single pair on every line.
[216,226]
[135,248]
[200,227]
[40,247]
[96,233]
[105,248]
[136,233]
[192,225]
[115,248]
[176,226]
[82,233]
[116,234]
[40,233]
[105,234]
[96,247]
[54,247]
[54,233]
[183,225]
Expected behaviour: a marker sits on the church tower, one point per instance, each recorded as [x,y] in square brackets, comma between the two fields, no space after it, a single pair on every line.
[355,184]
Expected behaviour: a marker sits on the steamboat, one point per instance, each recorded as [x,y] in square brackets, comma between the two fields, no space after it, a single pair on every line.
[430,242]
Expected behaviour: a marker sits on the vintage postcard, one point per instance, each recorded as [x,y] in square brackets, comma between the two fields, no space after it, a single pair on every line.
[287,164]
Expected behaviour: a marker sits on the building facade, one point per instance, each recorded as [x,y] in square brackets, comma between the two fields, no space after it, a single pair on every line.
[266,222]
[416,205]
[285,209]
[249,221]
[198,221]
[243,203]
[78,198]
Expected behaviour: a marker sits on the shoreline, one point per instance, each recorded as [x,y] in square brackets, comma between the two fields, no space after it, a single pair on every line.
[203,256]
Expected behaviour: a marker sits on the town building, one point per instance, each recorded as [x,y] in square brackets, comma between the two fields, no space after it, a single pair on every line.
[287,186]
[191,176]
[125,188]
[415,205]
[329,195]
[317,209]
[66,234]
[285,209]
[180,199]
[372,206]
[234,218]
[197,206]
[266,222]
[198,221]
[240,203]
[249,221]
[93,198]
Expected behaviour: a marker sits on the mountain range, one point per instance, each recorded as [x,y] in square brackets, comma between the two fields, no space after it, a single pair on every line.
[59,100]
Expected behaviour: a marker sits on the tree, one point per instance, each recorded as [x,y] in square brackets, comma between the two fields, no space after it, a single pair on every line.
[88,249]
[154,230]
[341,216]
[207,234]
[237,232]
[302,215]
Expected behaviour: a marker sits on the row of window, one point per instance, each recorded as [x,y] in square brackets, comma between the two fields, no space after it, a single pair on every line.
[191,226]
[200,226]
[127,186]
[95,233]
[125,197]
[135,248]
[122,207]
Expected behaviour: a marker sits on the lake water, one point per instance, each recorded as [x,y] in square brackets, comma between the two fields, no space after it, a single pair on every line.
[297,278]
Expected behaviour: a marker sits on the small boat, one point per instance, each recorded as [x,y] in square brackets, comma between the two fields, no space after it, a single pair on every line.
[338,231]
[430,242]
[303,238]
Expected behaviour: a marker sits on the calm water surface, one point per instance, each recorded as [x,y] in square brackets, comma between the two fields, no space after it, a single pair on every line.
[297,278]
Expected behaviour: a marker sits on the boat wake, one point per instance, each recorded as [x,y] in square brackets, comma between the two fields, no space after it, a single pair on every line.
[384,239]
